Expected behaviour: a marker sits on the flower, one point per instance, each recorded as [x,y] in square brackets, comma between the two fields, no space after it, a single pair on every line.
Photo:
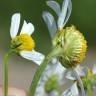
[71,41]
[24,43]
[52,79]
[74,47]
[88,77]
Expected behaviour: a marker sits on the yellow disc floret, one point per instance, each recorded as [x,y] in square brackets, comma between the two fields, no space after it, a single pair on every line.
[23,42]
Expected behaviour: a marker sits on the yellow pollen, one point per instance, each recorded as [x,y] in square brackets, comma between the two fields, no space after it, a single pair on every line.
[23,42]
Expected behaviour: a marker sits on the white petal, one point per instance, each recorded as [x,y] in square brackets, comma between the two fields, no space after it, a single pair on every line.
[72,91]
[68,13]
[27,28]
[53,93]
[70,75]
[15,22]
[94,69]
[49,70]
[33,55]
[50,22]
[59,69]
[40,90]
[55,6]
[63,13]
[54,61]
[80,71]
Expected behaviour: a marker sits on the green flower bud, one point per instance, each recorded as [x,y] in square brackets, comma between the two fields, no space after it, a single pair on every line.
[51,84]
[73,46]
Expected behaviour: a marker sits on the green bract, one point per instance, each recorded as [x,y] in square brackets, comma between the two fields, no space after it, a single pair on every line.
[73,46]
[51,83]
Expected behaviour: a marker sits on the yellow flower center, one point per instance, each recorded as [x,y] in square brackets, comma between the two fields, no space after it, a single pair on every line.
[23,42]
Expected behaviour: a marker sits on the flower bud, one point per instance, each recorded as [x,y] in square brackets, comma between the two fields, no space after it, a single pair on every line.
[51,83]
[73,45]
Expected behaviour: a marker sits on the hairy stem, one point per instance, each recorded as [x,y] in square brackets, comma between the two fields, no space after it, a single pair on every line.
[6,58]
[40,70]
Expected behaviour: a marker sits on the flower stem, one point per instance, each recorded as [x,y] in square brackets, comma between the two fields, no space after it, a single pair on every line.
[80,82]
[40,70]
[6,58]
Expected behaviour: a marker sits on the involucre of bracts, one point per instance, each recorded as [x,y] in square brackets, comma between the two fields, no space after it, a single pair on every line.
[73,46]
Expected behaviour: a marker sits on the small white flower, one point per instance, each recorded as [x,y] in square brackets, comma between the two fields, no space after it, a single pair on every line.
[83,72]
[24,42]
[64,76]
[54,68]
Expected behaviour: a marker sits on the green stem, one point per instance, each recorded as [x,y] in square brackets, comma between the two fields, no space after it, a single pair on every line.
[41,69]
[89,90]
[6,58]
[80,82]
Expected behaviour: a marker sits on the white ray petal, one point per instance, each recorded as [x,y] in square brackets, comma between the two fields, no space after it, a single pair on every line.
[81,71]
[53,93]
[27,28]
[15,22]
[72,91]
[40,90]
[68,13]
[50,22]
[33,55]
[94,69]
[49,70]
[63,13]
[55,6]
[70,75]
[59,69]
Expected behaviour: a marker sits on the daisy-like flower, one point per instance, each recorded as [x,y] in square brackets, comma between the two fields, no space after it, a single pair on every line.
[52,80]
[24,43]
[88,77]
[55,77]
[71,41]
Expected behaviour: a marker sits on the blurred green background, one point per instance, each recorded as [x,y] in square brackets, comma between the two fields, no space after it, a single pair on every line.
[83,17]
